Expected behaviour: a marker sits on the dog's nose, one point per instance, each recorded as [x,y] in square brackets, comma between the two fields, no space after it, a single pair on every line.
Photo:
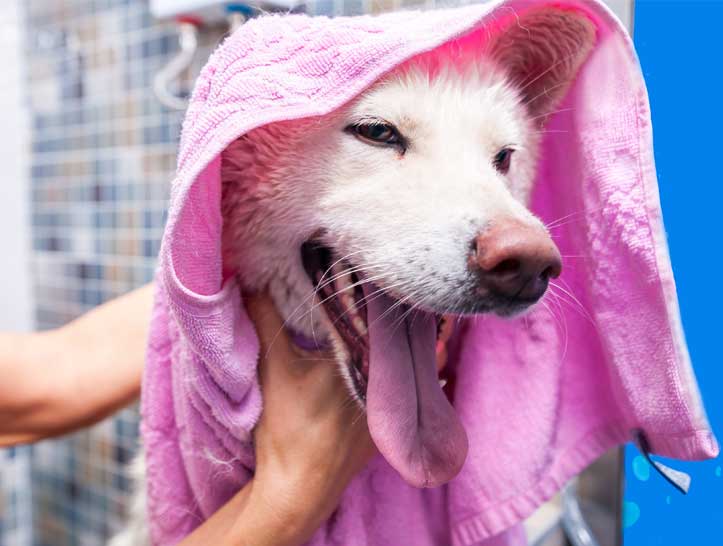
[516,260]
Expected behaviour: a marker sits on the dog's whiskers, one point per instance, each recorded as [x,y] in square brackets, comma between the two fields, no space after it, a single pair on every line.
[403,317]
[320,286]
[391,309]
[342,290]
[322,282]
[561,323]
[294,315]
[572,302]
[546,91]
[373,296]
[547,114]
[320,303]
[525,84]
[571,217]
[288,319]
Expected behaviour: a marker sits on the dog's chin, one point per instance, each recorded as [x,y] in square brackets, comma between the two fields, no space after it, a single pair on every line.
[505,307]
[475,303]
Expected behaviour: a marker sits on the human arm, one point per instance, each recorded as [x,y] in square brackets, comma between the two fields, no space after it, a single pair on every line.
[312,439]
[310,442]
[60,380]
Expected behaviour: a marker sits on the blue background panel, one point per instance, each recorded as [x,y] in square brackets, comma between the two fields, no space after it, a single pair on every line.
[681,52]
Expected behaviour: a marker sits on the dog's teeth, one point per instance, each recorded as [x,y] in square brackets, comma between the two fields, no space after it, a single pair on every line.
[442,382]
[338,273]
[349,304]
[343,290]
[359,325]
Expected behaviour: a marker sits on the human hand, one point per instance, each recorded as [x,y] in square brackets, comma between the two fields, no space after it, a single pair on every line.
[312,438]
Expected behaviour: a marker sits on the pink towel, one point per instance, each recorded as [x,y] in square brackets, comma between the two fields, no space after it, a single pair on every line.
[538,402]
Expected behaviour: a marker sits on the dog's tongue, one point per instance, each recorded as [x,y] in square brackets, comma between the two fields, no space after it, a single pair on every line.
[410,419]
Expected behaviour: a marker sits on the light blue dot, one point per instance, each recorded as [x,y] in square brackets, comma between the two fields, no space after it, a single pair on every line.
[717,471]
[641,468]
[667,499]
[631,513]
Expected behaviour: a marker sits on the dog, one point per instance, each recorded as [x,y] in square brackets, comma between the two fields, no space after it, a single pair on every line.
[418,189]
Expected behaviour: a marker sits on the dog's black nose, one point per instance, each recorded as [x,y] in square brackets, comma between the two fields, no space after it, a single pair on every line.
[515,260]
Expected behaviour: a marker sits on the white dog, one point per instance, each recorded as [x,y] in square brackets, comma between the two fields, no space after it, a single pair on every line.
[419,186]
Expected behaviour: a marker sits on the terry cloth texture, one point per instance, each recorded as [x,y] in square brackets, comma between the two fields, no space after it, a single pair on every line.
[537,403]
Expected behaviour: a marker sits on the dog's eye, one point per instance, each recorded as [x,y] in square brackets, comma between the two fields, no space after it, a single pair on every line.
[379,134]
[502,160]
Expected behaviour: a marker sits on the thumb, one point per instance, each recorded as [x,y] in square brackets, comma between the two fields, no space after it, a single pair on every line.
[280,363]
[266,319]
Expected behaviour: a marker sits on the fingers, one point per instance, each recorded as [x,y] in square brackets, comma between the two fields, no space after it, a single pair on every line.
[276,357]
[268,322]
[307,422]
[279,358]
[287,371]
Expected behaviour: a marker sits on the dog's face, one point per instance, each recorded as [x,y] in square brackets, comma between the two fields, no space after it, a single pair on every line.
[416,191]
[424,170]
[369,224]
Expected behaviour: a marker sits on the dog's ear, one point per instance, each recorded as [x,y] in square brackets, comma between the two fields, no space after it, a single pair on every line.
[541,51]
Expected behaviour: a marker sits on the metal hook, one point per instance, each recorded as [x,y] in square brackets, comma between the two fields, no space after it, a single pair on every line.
[188,40]
[238,14]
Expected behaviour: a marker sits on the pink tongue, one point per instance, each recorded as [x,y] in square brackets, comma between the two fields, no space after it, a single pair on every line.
[410,419]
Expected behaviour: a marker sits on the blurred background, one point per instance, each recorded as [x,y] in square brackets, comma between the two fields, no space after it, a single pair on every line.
[87,152]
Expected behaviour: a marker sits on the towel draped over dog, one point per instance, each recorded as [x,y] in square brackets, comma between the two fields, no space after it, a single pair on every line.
[540,397]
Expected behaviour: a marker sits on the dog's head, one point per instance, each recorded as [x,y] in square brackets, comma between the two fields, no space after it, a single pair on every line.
[412,197]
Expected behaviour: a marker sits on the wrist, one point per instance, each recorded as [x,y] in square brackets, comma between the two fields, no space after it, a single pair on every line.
[274,516]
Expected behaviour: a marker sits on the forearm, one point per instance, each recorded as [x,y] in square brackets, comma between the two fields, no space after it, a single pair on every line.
[32,374]
[250,518]
[57,381]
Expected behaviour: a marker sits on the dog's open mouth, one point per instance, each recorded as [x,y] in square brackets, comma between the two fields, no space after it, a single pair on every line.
[393,366]
[340,292]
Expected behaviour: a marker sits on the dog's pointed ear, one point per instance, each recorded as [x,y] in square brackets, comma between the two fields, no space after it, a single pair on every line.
[542,51]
